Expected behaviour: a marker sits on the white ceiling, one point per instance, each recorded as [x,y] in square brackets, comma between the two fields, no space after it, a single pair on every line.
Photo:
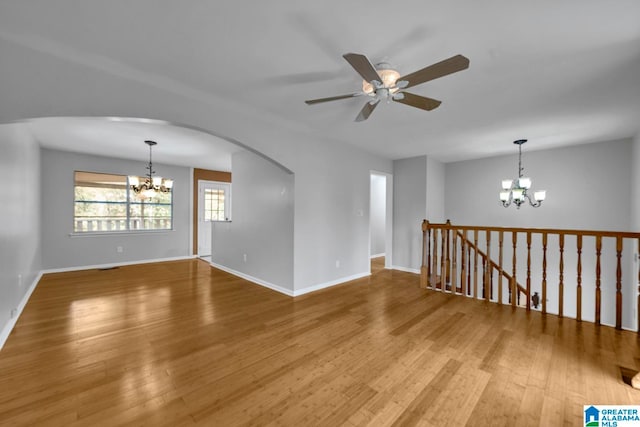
[557,73]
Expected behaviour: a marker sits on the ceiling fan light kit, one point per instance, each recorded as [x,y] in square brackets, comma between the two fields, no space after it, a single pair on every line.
[388,78]
[383,82]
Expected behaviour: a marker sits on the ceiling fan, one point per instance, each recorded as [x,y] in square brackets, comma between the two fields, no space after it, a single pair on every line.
[384,83]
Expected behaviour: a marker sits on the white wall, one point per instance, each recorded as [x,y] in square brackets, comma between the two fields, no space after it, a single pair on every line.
[60,250]
[409,209]
[588,187]
[378,209]
[262,223]
[20,255]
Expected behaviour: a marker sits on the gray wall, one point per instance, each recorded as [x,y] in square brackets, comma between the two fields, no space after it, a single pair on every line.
[61,250]
[634,195]
[378,210]
[261,222]
[435,190]
[588,187]
[409,209]
[20,256]
[331,211]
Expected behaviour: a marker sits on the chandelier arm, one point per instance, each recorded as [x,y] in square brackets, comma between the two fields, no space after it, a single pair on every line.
[535,204]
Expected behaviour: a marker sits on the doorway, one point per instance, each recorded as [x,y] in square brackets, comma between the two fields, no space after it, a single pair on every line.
[214,204]
[381,220]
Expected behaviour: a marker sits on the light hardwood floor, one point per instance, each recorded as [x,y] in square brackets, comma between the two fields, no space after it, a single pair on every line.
[180,343]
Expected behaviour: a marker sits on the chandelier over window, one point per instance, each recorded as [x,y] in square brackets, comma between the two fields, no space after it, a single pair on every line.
[149,186]
[516,191]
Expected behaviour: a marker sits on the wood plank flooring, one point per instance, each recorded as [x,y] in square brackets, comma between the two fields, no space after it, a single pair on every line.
[181,344]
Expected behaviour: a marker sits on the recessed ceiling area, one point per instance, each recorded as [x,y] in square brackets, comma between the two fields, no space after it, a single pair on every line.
[124,138]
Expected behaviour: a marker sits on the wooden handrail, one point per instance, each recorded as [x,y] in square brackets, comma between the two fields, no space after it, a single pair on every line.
[566,231]
[601,259]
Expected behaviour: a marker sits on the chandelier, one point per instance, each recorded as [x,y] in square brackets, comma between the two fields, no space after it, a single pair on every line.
[149,186]
[516,190]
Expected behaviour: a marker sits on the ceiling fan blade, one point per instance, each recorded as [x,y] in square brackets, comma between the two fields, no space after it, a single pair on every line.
[332,98]
[366,111]
[440,69]
[418,101]
[363,66]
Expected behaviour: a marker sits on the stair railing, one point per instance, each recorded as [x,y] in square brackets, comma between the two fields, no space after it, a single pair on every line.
[469,260]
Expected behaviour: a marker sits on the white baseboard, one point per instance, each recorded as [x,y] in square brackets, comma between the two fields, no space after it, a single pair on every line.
[8,327]
[330,283]
[255,280]
[406,269]
[116,264]
[377,255]
[285,291]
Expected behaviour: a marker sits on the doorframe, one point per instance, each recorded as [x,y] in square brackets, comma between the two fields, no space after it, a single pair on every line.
[388,219]
[205,183]
[202,175]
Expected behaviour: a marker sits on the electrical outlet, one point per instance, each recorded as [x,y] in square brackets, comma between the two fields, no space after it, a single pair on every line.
[337,263]
[244,257]
[14,313]
[19,280]
[119,249]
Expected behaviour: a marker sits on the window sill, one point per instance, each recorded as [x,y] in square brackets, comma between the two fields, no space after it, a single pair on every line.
[119,233]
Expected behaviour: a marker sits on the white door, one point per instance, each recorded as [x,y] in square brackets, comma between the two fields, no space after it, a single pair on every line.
[214,204]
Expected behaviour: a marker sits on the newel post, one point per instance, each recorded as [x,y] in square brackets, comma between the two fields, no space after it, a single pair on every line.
[447,274]
[426,255]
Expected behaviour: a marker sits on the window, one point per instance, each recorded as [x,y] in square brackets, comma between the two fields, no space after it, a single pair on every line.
[215,201]
[214,205]
[104,203]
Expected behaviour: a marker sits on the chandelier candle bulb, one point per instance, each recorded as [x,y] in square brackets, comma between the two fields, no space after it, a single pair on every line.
[518,193]
[540,195]
[525,183]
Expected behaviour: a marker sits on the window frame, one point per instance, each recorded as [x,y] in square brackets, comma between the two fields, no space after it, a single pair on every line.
[226,204]
[128,203]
